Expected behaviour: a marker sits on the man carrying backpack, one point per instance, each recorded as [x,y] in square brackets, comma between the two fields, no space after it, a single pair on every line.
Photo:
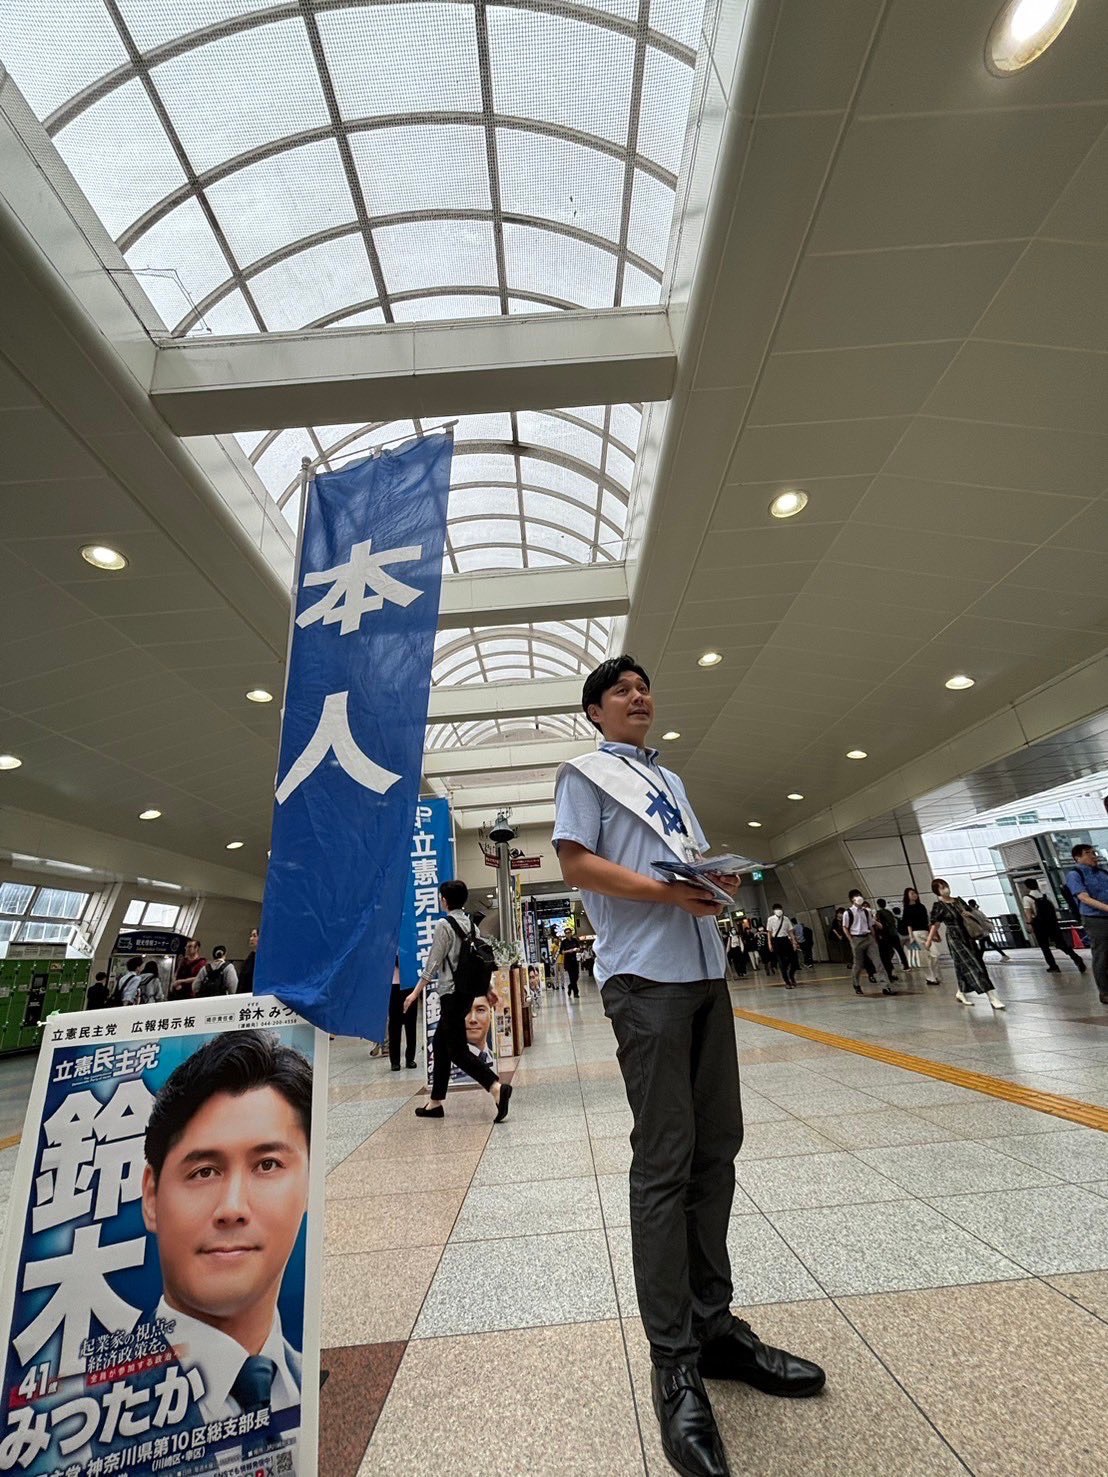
[462,960]
[1042,920]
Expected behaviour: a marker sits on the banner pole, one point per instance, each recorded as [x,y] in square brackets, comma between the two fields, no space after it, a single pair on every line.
[305,476]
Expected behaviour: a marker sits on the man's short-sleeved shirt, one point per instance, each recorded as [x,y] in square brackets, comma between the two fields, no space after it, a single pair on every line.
[653,940]
[1094,881]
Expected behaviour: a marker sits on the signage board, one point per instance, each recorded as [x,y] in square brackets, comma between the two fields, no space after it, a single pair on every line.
[148,1327]
[150,941]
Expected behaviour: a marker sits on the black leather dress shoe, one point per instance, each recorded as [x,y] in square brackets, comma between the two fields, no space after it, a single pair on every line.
[741,1355]
[689,1436]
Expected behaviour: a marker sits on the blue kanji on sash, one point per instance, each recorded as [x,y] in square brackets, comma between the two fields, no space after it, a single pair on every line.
[669,815]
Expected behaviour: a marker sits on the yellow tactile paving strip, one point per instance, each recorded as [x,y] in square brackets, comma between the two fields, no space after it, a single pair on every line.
[1089,1115]
[11,1141]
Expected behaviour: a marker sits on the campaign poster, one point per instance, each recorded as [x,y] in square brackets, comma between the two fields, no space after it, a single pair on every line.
[160,1294]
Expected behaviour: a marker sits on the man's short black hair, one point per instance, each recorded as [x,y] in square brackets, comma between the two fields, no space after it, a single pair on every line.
[857,892]
[235,1062]
[881,903]
[1080,847]
[455,894]
[607,675]
[134,962]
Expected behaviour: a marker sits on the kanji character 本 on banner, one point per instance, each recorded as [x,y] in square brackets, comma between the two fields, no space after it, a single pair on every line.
[159,1302]
[369,576]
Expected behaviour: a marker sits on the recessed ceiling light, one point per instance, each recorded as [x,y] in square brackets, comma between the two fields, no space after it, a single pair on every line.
[794,796]
[9,761]
[1022,32]
[709,659]
[857,754]
[756,824]
[259,695]
[235,845]
[788,504]
[672,734]
[100,556]
[150,815]
[959,683]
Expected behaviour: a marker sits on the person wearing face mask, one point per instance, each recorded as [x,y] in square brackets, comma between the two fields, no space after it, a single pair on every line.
[860,927]
[781,935]
[969,968]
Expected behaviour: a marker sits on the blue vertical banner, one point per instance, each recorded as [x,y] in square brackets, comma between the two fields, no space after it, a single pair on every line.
[430,864]
[369,577]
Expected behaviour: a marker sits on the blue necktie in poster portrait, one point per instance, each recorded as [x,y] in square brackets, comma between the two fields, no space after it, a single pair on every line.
[367,604]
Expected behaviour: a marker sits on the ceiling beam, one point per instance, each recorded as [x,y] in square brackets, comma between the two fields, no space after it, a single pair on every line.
[503,758]
[481,797]
[523,815]
[532,699]
[208,385]
[512,597]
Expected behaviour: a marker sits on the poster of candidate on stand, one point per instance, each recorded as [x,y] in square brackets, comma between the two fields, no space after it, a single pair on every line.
[160,1294]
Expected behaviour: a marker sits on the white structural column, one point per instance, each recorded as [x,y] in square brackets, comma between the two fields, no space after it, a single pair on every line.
[573,592]
[265,382]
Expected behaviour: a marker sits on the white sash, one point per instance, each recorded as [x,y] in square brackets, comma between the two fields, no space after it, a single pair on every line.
[637,789]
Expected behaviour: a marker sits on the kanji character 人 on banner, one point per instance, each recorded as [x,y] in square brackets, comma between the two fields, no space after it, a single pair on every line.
[366,610]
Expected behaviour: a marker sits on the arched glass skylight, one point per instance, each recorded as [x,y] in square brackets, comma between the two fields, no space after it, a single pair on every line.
[268,166]
[529,489]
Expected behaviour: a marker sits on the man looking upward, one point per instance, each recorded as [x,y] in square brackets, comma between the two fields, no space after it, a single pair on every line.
[660,963]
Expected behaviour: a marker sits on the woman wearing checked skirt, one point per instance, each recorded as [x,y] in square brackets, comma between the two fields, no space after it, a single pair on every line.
[969,968]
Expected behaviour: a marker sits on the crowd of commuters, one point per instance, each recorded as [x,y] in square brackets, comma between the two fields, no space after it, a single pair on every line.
[194,977]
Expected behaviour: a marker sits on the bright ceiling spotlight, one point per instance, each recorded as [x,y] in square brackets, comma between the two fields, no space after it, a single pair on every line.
[959,683]
[259,695]
[9,761]
[671,734]
[794,796]
[101,556]
[788,504]
[709,659]
[150,815]
[757,825]
[857,754]
[235,845]
[1022,31]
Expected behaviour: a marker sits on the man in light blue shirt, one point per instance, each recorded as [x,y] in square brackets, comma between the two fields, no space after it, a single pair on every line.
[1088,885]
[660,962]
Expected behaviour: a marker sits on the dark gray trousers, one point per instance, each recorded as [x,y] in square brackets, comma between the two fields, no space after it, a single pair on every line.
[676,1048]
[1097,929]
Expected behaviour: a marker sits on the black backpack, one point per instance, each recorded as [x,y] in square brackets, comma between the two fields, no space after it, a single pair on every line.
[474,969]
[213,981]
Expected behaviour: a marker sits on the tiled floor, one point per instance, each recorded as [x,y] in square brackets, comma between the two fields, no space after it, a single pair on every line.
[942,1253]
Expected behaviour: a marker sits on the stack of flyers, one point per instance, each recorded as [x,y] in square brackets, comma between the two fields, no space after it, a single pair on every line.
[699,873]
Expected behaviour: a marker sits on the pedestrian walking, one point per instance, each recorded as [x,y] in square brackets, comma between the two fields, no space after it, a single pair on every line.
[1042,920]
[779,930]
[463,965]
[969,970]
[736,950]
[918,922]
[859,927]
[403,1020]
[888,938]
[1088,886]
[569,955]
